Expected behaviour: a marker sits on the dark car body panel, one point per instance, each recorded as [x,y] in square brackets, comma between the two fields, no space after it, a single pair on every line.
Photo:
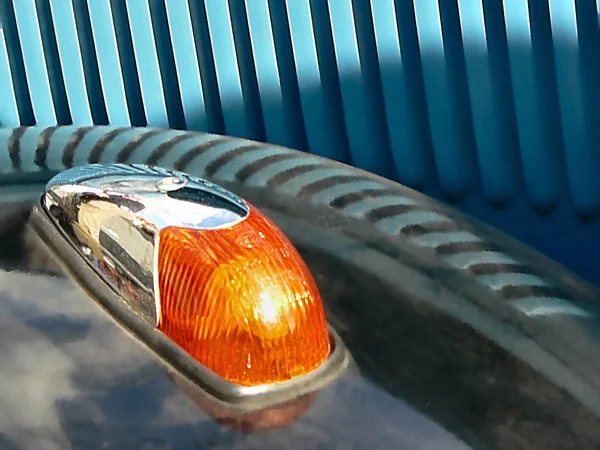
[434,367]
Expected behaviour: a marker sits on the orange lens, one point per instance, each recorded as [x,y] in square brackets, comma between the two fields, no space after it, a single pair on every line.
[241,301]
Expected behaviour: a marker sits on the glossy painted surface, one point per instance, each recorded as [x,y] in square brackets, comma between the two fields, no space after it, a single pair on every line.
[437,365]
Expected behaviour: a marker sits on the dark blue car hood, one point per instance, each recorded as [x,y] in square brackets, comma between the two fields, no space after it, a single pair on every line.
[431,370]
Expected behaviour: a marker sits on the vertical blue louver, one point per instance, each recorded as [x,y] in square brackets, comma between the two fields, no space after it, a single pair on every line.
[490,104]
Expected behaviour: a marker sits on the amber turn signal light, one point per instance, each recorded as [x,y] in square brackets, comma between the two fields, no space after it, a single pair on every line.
[241,301]
[204,279]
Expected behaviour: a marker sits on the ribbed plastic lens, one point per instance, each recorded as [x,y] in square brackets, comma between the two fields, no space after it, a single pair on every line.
[241,301]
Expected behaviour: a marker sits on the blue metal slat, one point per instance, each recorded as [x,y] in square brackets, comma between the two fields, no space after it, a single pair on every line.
[53,64]
[109,63]
[329,71]
[588,13]
[365,123]
[16,65]
[187,68]
[582,160]
[208,71]
[408,142]
[148,69]
[91,70]
[166,64]
[35,62]
[320,108]
[498,171]
[538,170]
[280,126]
[417,81]
[129,64]
[246,63]
[287,73]
[9,113]
[71,61]
[449,146]
[236,111]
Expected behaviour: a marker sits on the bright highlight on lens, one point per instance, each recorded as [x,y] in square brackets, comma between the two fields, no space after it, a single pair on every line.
[241,301]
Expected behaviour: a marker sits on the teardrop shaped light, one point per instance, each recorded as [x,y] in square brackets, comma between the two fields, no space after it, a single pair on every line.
[187,260]
[241,301]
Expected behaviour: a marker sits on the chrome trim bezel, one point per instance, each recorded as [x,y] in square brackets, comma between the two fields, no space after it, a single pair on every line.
[113,215]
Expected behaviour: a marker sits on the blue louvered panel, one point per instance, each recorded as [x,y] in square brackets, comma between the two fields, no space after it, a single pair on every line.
[36,67]
[148,70]
[9,113]
[281,113]
[446,112]
[240,118]
[71,62]
[496,150]
[536,136]
[582,159]
[317,83]
[492,103]
[359,82]
[109,64]
[189,78]
[398,56]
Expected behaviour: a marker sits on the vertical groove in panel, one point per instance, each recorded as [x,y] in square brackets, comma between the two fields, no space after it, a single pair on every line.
[109,63]
[413,73]
[16,63]
[91,71]
[71,63]
[364,122]
[53,65]
[434,71]
[166,63]
[494,153]
[206,62]
[328,70]
[129,64]
[9,112]
[288,76]
[325,133]
[236,113]
[457,76]
[279,126]
[408,141]
[538,172]
[35,62]
[581,162]
[502,87]
[372,84]
[449,143]
[589,47]
[146,59]
[186,66]
[548,91]
[246,65]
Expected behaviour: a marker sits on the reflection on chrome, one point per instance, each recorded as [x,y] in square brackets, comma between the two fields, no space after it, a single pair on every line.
[113,213]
